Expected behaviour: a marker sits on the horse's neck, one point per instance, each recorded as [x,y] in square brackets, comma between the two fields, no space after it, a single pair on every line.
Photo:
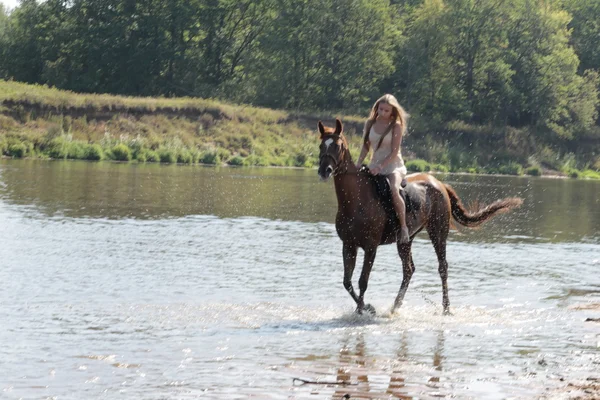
[346,187]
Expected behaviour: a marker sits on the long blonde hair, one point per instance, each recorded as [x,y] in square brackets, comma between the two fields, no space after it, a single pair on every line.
[399,115]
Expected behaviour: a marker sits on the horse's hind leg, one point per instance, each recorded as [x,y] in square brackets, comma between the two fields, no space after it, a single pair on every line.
[408,268]
[439,244]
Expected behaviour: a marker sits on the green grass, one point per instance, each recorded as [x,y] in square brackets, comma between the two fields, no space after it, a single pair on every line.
[590,174]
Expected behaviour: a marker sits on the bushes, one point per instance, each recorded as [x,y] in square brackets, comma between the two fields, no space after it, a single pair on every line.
[534,171]
[512,168]
[76,151]
[215,157]
[439,168]
[236,161]
[17,150]
[254,160]
[418,166]
[121,152]
[152,156]
[168,156]
[590,174]
[58,148]
[185,157]
[94,152]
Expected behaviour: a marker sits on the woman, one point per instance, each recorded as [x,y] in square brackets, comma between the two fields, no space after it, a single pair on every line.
[383,132]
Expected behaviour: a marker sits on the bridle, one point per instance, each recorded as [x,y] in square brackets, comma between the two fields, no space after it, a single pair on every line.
[337,163]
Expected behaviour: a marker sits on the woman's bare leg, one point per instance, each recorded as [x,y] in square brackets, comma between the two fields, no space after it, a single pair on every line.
[399,206]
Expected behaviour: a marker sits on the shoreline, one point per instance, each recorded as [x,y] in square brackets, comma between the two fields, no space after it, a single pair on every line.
[225,165]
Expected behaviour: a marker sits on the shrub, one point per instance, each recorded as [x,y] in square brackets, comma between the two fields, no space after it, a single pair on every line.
[75,151]
[590,174]
[17,150]
[168,156]
[141,156]
[534,171]
[224,155]
[185,157]
[195,155]
[512,168]
[418,166]
[236,160]
[210,157]
[574,173]
[93,152]
[152,156]
[58,148]
[440,168]
[254,160]
[121,152]
[301,159]
[214,157]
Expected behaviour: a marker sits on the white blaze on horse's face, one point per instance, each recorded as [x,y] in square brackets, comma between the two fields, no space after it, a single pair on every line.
[328,143]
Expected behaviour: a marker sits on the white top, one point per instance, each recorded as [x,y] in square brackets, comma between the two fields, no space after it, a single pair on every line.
[383,151]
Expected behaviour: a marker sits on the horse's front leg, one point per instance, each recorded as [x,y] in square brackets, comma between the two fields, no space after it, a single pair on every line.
[349,252]
[363,282]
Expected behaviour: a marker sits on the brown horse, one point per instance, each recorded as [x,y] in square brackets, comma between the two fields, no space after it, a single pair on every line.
[362,220]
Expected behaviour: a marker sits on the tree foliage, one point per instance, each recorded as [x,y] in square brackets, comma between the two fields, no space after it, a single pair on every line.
[519,63]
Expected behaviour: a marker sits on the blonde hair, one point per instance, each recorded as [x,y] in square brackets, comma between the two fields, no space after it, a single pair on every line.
[399,115]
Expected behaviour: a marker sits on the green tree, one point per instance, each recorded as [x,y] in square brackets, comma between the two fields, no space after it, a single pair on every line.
[424,80]
[477,43]
[23,59]
[229,32]
[586,31]
[330,54]
[3,40]
[548,92]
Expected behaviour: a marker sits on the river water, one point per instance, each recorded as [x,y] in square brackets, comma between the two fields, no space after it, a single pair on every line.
[181,282]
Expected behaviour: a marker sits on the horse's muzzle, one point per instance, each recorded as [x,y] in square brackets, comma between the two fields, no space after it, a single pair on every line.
[325,172]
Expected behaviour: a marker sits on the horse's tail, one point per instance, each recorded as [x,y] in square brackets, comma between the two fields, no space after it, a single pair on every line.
[475,218]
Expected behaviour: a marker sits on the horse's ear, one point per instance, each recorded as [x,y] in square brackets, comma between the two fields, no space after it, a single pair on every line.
[338,126]
[321,129]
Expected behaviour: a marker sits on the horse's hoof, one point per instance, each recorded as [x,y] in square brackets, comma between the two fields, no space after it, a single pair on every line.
[447,312]
[369,309]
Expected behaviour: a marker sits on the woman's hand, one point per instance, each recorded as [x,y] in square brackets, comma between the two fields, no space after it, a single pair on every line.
[376,170]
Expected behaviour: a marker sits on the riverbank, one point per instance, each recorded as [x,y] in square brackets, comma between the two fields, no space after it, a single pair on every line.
[42,122]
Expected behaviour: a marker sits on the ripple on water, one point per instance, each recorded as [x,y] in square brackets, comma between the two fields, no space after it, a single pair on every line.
[175,306]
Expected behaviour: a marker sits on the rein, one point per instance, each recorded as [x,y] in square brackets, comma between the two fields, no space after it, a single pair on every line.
[336,171]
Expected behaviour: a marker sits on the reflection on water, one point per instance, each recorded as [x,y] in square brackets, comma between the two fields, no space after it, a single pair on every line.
[113,190]
[553,209]
[358,368]
[150,281]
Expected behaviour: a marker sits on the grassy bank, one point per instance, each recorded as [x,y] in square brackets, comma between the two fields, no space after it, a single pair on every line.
[37,121]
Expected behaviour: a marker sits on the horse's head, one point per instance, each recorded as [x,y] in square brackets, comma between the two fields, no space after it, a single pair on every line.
[333,149]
